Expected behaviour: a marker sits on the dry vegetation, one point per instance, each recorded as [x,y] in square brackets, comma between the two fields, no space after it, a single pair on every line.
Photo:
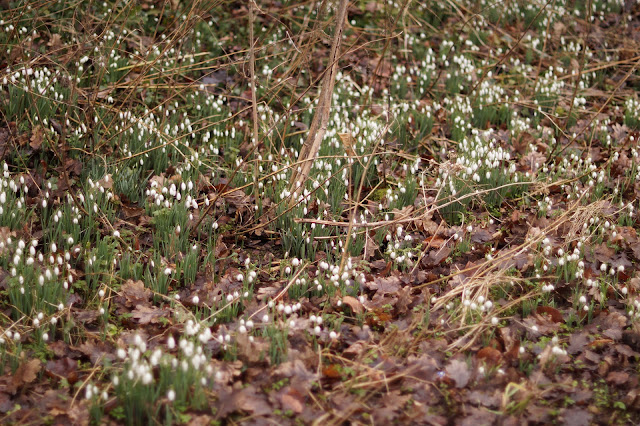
[319,212]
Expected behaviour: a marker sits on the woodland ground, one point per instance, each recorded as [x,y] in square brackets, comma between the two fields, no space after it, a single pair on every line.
[463,249]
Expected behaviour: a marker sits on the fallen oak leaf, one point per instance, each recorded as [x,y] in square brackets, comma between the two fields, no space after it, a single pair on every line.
[135,293]
[382,285]
[86,316]
[553,313]
[247,399]
[63,368]
[353,303]
[292,400]
[618,378]
[26,373]
[491,356]
[148,315]
[459,372]
[332,371]
[37,137]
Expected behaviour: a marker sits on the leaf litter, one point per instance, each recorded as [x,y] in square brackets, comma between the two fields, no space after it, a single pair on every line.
[452,292]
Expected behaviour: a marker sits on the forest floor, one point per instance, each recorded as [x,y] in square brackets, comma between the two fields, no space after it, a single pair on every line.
[464,249]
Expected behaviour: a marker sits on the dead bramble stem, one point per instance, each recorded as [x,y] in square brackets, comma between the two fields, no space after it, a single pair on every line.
[318,126]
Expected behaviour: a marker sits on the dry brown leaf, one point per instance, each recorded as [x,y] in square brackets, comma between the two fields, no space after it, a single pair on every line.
[135,293]
[348,141]
[55,41]
[37,137]
[292,400]
[27,372]
[353,303]
[385,285]
[459,372]
[149,315]
[63,368]
[491,356]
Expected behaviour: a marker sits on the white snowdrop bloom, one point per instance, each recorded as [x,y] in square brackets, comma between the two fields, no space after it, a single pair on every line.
[147,378]
[333,335]
[116,234]
[196,300]
[167,271]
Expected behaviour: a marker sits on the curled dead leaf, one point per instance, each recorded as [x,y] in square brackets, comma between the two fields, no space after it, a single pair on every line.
[26,373]
[491,356]
[353,303]
[554,314]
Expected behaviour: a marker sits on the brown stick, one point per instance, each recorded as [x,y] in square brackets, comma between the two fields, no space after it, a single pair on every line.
[254,102]
[318,126]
